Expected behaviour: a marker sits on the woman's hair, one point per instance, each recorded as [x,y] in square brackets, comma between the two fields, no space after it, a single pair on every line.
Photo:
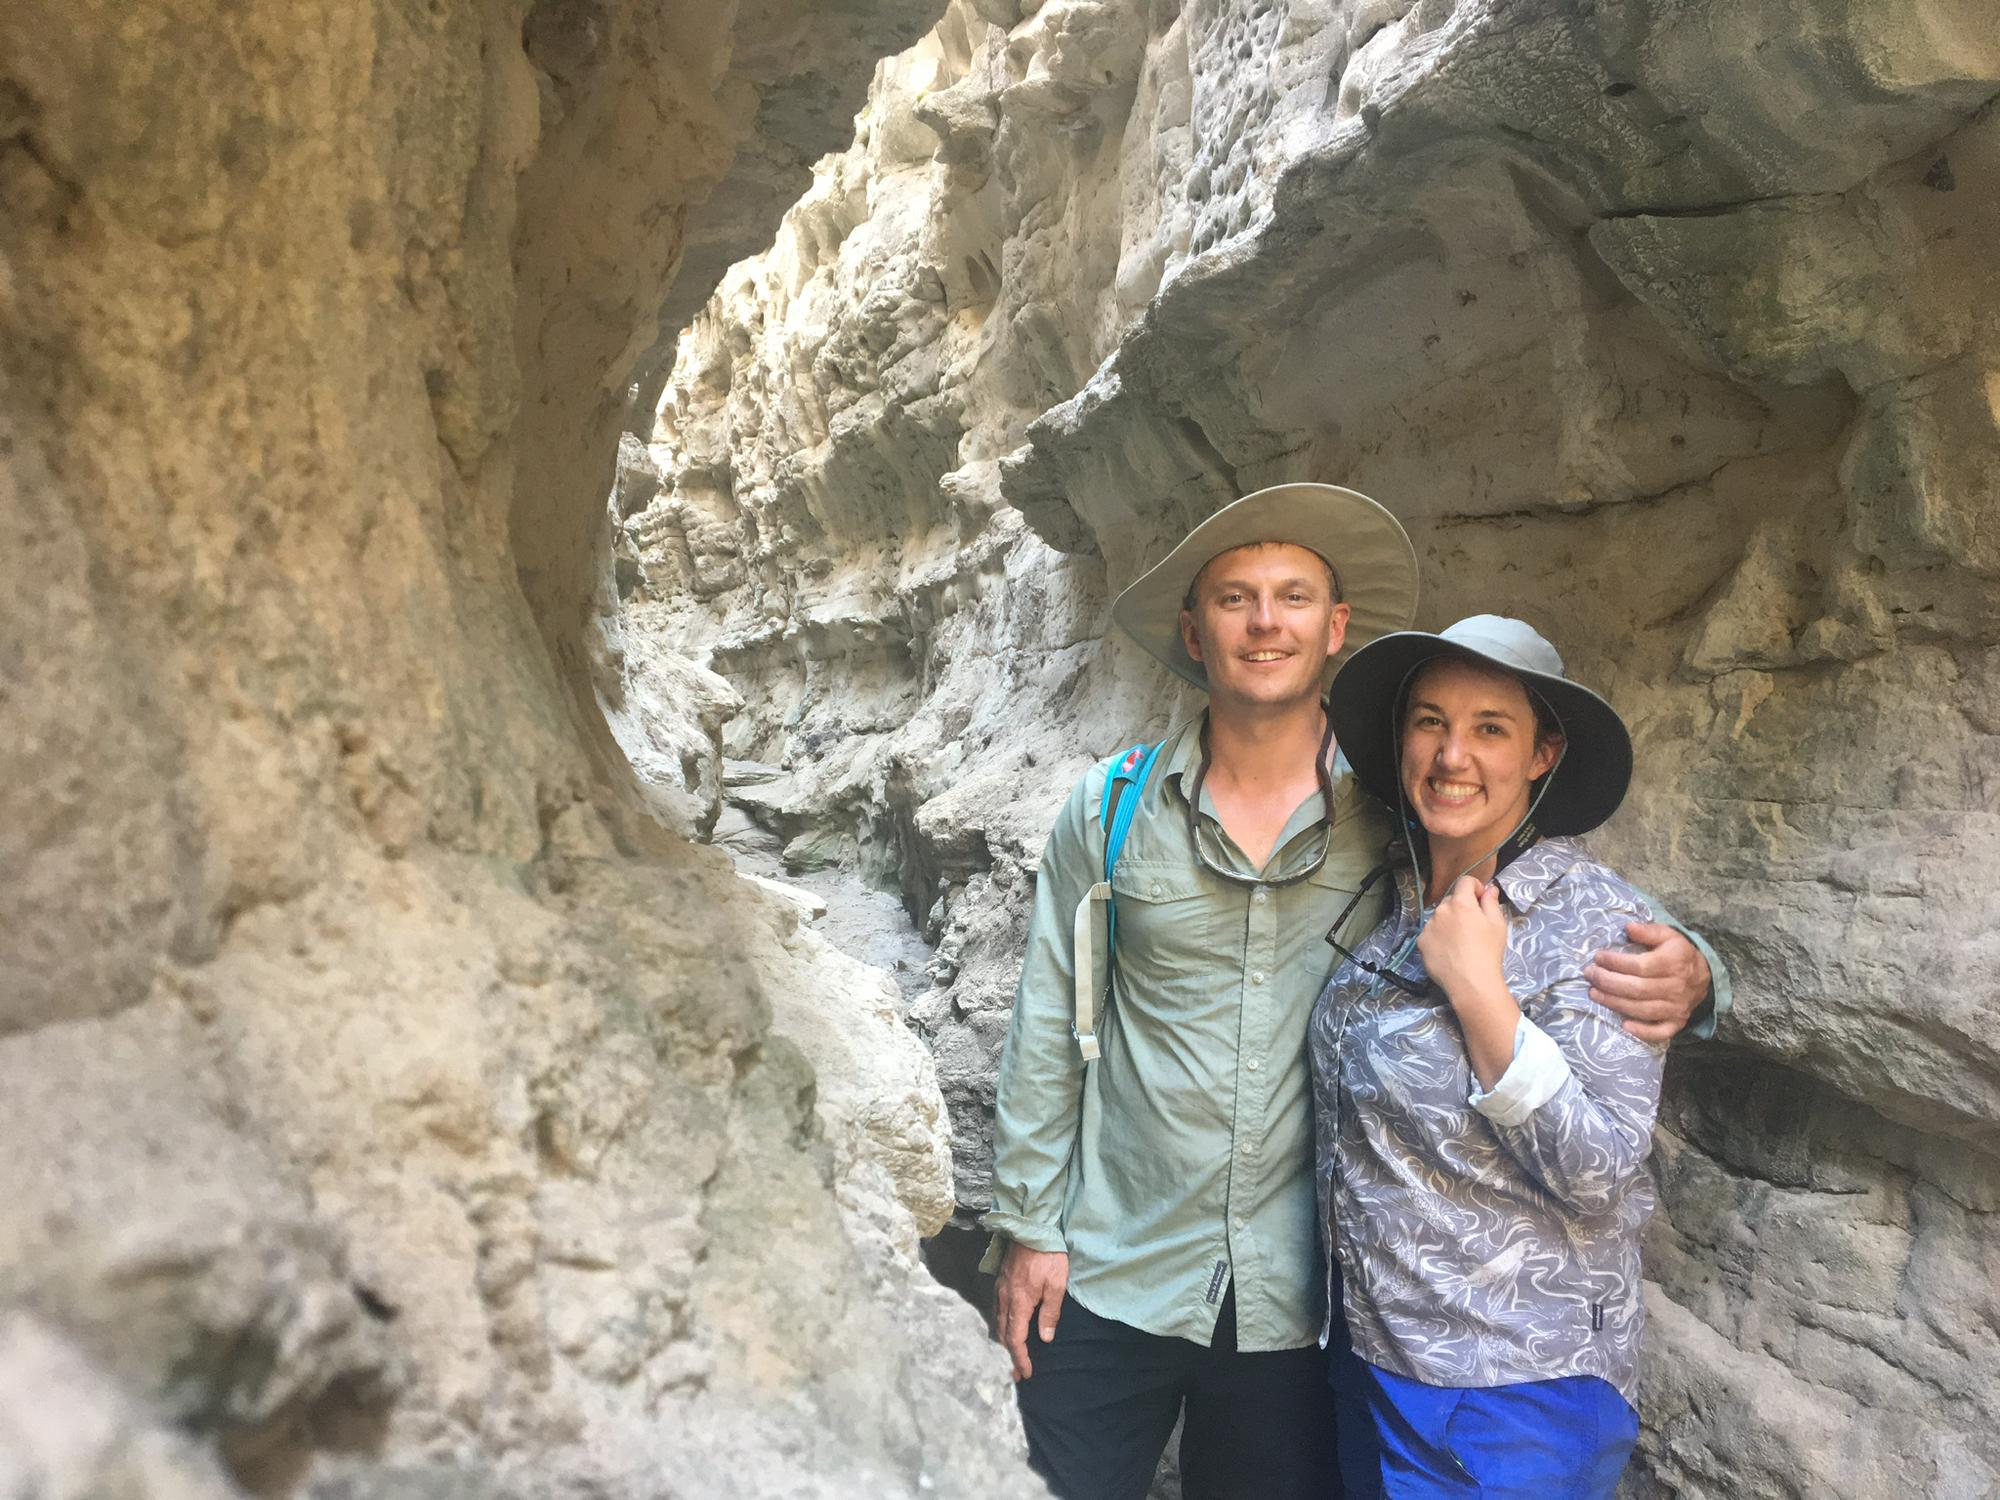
[1547,726]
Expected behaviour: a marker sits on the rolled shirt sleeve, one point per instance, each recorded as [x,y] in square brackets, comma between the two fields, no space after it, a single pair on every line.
[1536,1074]
[1708,1015]
[1040,1082]
[1575,1107]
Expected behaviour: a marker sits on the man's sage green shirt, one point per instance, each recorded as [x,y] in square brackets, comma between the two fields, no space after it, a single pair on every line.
[1182,1161]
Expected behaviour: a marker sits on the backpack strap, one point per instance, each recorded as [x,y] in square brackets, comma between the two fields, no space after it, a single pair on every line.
[1115,812]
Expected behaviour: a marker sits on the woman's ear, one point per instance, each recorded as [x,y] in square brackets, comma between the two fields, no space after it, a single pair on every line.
[1548,750]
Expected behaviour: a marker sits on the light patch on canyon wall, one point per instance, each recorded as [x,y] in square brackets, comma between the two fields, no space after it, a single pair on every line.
[1672,329]
[394,1108]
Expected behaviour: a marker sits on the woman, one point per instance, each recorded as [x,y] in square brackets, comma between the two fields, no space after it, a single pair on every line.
[1482,1124]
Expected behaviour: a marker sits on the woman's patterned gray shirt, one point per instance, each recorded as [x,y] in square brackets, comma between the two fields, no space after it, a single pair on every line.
[1487,1238]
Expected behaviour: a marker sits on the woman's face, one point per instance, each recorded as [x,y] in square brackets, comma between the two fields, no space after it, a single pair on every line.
[1469,751]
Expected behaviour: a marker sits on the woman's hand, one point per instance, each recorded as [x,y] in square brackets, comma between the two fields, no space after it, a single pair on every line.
[1463,946]
[1465,940]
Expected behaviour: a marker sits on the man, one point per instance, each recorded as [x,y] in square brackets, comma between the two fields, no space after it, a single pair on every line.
[1154,1216]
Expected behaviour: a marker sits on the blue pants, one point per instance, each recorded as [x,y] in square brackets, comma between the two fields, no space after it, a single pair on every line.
[1564,1439]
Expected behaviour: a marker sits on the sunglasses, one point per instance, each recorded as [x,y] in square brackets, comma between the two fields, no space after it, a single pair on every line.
[1217,864]
[1419,987]
[1298,868]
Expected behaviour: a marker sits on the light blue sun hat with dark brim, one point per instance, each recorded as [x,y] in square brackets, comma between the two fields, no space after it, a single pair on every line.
[1367,702]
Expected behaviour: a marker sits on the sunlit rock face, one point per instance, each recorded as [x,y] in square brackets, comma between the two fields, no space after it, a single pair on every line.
[1672,329]
[393,1107]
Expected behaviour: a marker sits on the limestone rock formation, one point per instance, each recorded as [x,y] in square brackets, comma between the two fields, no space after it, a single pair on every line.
[1672,328]
[395,1107]
[68,1432]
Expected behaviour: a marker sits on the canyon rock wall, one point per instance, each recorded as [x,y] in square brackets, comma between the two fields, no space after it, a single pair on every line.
[1670,327]
[394,1108]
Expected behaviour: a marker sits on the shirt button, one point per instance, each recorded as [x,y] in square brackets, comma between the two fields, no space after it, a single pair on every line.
[1254,1065]
[1256,976]
[1156,889]
[1262,896]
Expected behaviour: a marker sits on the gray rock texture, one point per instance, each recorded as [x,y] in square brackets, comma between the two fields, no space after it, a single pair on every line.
[394,1106]
[1670,327]
[68,1432]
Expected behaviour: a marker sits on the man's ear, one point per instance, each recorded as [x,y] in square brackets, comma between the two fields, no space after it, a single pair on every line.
[1336,628]
[1189,637]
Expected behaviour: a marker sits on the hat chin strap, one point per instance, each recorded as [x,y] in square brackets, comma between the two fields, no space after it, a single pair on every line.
[1408,823]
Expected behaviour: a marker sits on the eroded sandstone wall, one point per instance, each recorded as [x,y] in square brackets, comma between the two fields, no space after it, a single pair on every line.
[1671,328]
[393,1108]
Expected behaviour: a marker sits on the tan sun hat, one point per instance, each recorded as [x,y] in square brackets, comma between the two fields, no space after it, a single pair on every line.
[1369,552]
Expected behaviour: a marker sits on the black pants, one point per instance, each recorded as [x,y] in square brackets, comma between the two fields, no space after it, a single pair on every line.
[1104,1397]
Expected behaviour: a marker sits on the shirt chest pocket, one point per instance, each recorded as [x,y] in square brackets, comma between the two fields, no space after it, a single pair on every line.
[1167,924]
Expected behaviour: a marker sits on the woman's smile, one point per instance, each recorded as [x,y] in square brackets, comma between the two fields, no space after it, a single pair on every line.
[1470,755]
[1451,793]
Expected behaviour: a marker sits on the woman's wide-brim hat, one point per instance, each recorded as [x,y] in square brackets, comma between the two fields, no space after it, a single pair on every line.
[1367,702]
[1366,547]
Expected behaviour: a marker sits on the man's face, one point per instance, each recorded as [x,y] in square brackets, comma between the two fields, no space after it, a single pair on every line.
[1263,624]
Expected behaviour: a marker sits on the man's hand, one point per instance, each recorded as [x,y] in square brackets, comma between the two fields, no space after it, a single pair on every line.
[1031,1282]
[1655,991]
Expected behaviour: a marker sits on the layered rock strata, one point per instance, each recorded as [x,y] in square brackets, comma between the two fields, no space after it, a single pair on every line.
[394,1107]
[1669,328]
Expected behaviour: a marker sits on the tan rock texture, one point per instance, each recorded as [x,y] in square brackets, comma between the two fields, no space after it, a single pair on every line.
[394,1107]
[1669,327]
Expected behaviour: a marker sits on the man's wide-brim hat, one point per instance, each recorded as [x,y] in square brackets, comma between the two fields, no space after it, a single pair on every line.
[1366,547]
[1367,705]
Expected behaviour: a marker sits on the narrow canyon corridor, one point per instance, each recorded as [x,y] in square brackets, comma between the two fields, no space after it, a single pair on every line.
[555,561]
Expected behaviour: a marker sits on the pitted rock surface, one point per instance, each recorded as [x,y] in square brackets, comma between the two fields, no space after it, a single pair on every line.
[1672,329]
[396,1106]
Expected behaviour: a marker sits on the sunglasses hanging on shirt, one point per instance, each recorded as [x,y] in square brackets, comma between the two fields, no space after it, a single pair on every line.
[1218,865]
[1387,973]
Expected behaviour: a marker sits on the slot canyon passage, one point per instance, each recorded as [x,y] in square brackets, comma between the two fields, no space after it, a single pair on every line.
[406,1096]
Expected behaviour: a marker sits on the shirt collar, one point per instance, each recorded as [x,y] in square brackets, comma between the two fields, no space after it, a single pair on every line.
[1523,882]
[1181,758]
[1537,868]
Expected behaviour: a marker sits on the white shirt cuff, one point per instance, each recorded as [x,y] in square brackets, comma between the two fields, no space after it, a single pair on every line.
[1535,1076]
